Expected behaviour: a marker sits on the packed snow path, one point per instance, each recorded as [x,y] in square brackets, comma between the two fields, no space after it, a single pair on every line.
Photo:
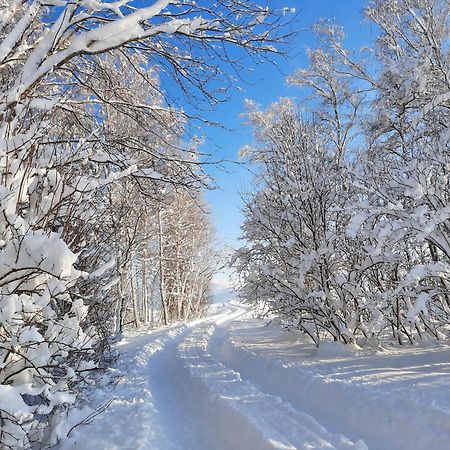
[232,382]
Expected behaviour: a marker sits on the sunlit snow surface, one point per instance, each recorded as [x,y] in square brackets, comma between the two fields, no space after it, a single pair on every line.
[233,382]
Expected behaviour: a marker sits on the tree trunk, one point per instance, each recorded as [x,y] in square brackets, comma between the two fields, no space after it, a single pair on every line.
[134,297]
[161,271]
[144,289]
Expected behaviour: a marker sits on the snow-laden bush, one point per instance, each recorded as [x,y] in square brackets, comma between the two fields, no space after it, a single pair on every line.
[44,350]
[402,211]
[298,258]
[349,232]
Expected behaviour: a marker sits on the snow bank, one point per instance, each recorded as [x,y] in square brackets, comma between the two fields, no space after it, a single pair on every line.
[352,394]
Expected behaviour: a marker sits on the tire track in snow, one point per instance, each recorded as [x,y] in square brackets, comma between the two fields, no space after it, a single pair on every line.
[148,409]
[132,421]
[241,415]
[167,382]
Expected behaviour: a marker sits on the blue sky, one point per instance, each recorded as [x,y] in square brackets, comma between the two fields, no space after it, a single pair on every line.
[265,85]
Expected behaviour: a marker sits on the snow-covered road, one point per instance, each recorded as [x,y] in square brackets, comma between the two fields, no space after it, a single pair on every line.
[231,382]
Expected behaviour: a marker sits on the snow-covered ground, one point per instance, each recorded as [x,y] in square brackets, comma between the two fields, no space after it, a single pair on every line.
[233,382]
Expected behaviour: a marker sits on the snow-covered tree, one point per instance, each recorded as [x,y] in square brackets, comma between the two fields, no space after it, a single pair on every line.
[297,261]
[404,192]
[64,142]
[384,234]
[188,259]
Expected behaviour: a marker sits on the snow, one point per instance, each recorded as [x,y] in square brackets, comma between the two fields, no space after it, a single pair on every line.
[11,401]
[230,381]
[396,399]
[30,334]
[8,308]
[103,268]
